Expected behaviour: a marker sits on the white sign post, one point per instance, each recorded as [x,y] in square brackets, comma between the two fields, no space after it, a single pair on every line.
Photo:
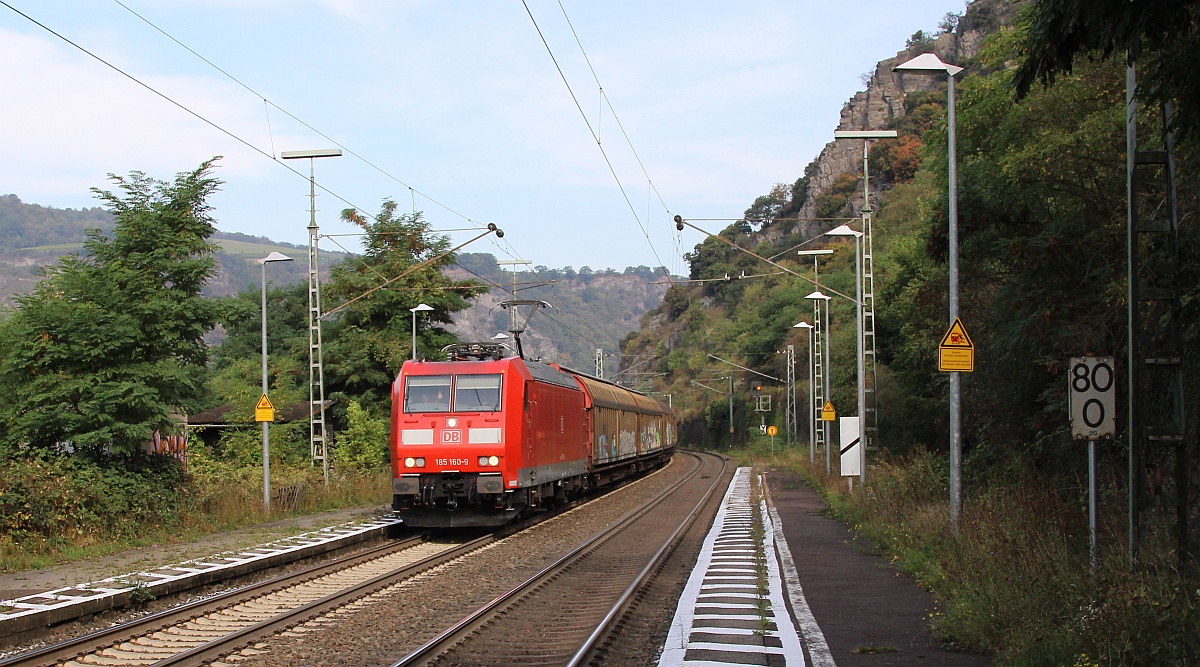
[851,441]
[1092,390]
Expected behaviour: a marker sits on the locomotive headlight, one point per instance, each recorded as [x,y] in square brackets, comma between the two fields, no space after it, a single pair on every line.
[483,460]
[410,462]
[420,461]
[493,460]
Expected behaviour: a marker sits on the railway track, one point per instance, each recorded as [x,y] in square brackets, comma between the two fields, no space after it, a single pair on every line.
[201,631]
[208,630]
[561,615]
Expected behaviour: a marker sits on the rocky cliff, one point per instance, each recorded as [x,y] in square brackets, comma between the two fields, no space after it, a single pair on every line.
[882,102]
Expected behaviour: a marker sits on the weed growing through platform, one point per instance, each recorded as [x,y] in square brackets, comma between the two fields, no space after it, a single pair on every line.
[874,648]
[762,583]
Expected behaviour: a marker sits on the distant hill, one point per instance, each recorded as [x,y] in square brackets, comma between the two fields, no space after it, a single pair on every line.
[593,308]
[33,236]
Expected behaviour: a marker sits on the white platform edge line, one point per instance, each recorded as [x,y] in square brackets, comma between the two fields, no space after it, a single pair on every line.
[675,647]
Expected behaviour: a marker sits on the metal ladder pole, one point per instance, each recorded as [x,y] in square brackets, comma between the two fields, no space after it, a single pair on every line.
[790,377]
[600,363]
[871,419]
[317,433]
[819,372]
[1157,428]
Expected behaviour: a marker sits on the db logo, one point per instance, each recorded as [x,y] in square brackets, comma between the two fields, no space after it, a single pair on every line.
[451,437]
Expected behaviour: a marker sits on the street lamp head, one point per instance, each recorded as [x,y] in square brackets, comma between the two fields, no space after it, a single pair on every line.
[818,295]
[421,307]
[802,325]
[274,257]
[501,336]
[864,134]
[927,63]
[319,152]
[843,230]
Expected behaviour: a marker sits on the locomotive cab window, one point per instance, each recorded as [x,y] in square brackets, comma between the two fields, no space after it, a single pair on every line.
[477,393]
[427,394]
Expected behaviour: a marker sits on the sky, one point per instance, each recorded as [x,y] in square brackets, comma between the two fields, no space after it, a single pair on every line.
[455,108]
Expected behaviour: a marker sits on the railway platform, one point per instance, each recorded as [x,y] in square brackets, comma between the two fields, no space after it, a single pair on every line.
[778,583]
[42,608]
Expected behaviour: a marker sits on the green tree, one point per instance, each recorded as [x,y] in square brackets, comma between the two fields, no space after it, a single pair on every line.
[1042,223]
[1162,36]
[370,337]
[363,443]
[109,344]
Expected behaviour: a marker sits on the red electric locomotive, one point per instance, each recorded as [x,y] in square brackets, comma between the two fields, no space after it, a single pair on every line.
[479,439]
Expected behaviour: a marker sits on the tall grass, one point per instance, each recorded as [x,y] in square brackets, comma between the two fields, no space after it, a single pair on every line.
[1015,580]
[63,510]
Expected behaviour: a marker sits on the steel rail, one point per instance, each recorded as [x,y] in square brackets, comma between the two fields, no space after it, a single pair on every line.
[56,653]
[586,652]
[206,653]
[452,636]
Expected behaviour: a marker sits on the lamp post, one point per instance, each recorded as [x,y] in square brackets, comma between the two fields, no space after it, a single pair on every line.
[317,436]
[844,230]
[928,63]
[812,450]
[828,365]
[420,308]
[266,426]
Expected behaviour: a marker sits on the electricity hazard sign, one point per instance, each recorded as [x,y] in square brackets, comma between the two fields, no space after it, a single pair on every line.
[956,353]
[828,414]
[264,411]
[1093,398]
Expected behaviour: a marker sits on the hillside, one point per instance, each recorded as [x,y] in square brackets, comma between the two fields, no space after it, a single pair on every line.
[592,309]
[750,321]
[33,236]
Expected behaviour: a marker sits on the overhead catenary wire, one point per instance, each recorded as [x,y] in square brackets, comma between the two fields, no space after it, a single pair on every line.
[180,105]
[289,114]
[232,134]
[593,132]
[608,102]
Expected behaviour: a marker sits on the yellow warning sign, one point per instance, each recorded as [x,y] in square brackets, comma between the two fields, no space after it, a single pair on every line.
[828,414]
[772,430]
[956,353]
[264,411]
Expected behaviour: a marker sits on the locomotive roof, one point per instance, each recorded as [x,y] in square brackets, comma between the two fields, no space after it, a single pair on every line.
[550,374]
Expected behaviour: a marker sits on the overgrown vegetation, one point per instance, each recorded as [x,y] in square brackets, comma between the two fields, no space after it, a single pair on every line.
[100,360]
[1015,581]
[1042,224]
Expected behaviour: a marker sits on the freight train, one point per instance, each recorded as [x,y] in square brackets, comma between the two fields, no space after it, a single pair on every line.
[481,439]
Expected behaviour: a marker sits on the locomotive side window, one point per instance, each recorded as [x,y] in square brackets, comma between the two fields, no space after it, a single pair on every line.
[427,394]
[477,393]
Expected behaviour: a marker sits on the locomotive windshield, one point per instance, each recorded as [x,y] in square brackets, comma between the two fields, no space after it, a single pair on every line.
[429,393]
[477,393]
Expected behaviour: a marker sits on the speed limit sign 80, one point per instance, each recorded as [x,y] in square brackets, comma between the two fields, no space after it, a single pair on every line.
[1093,397]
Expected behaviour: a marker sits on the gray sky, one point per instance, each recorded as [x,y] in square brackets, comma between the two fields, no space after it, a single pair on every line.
[458,100]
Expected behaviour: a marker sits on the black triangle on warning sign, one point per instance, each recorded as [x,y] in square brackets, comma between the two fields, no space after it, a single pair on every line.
[957,336]
[264,403]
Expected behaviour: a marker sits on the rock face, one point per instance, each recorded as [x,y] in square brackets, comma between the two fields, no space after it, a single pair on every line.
[883,101]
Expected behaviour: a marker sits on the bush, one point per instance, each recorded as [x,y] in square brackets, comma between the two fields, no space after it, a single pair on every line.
[48,503]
